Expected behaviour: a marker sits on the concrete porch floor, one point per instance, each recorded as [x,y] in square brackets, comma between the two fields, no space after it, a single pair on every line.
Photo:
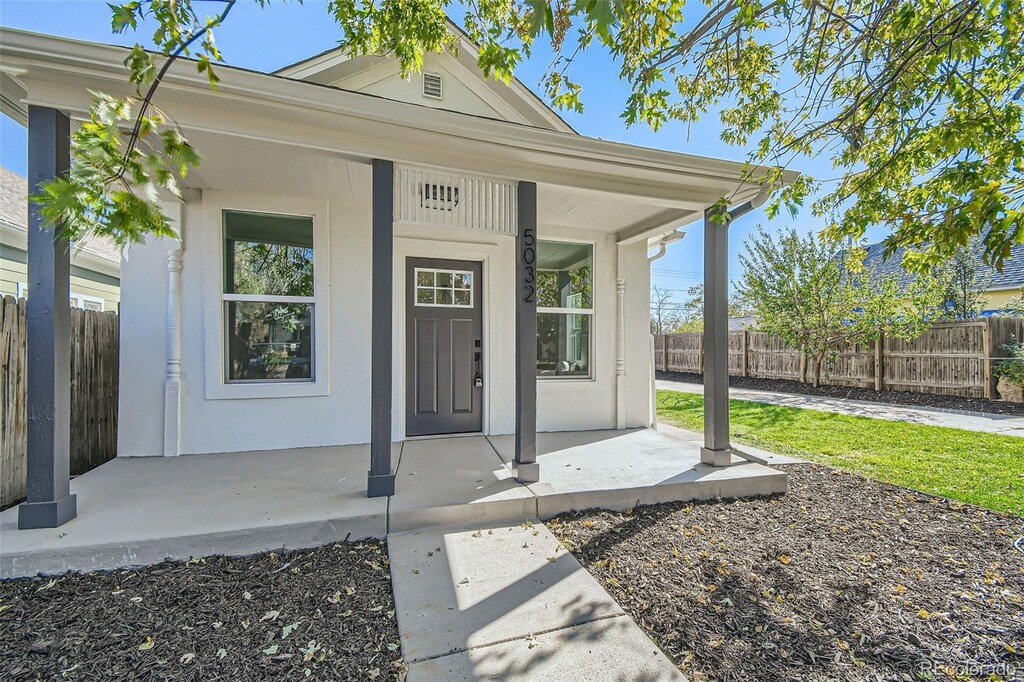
[141,511]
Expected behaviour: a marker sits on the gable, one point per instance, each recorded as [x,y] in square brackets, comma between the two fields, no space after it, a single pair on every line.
[463,87]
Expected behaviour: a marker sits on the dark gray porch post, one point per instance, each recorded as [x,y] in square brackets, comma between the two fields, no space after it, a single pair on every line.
[526,467]
[381,477]
[716,450]
[49,502]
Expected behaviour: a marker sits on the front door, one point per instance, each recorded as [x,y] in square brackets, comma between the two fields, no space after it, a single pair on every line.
[444,346]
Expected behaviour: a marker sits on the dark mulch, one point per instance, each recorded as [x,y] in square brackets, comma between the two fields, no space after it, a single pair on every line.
[842,578]
[326,613]
[907,398]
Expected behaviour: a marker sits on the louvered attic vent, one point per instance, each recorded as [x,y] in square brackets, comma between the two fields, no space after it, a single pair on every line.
[432,85]
[439,197]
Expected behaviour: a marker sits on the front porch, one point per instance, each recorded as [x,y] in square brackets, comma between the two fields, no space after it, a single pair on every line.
[147,509]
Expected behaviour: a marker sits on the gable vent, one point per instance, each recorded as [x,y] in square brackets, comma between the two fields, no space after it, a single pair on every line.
[432,85]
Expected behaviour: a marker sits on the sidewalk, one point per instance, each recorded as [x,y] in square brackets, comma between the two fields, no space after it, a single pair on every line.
[987,422]
[511,603]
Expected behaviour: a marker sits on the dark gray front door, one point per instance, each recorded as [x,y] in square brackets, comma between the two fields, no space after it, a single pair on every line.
[444,346]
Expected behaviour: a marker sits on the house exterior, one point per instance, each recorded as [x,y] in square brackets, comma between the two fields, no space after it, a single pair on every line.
[369,259]
[95,262]
[1001,286]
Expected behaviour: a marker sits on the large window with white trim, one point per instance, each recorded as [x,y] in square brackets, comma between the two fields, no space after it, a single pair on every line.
[565,309]
[268,297]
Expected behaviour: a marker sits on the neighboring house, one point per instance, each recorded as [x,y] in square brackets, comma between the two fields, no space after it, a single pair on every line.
[366,258]
[95,261]
[1001,286]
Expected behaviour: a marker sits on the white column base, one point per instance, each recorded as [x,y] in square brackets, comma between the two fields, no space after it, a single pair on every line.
[172,417]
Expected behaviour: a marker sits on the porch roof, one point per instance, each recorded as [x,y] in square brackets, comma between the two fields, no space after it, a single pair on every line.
[258,107]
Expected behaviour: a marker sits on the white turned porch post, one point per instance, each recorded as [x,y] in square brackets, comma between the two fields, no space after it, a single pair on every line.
[172,381]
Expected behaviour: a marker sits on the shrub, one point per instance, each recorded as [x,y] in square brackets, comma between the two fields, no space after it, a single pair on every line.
[1012,368]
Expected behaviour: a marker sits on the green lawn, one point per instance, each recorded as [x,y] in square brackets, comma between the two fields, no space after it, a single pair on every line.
[980,468]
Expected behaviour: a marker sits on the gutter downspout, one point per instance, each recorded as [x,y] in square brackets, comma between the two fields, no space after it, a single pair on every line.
[653,401]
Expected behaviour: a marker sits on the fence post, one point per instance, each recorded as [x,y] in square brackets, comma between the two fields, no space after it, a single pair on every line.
[986,346]
[700,354]
[743,363]
[879,360]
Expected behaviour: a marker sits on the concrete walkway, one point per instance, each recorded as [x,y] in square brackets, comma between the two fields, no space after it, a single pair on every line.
[511,603]
[987,422]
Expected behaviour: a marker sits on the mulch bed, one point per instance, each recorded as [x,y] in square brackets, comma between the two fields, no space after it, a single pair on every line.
[842,578]
[907,398]
[325,613]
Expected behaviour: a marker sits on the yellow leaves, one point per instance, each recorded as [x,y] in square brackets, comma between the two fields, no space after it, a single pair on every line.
[900,589]
[148,644]
[785,559]
[924,614]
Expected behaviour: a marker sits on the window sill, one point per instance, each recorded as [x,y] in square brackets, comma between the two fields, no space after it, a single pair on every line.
[567,384]
[256,390]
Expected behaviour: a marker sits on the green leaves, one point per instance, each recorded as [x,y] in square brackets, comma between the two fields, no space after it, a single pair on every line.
[114,188]
[917,105]
[818,297]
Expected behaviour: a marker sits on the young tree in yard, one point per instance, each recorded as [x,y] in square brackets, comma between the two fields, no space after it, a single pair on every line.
[965,284]
[664,317]
[916,104]
[818,298]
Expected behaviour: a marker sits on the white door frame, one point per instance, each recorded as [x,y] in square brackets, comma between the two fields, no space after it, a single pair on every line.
[490,292]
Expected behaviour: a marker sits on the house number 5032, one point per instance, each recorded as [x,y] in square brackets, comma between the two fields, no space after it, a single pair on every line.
[528,256]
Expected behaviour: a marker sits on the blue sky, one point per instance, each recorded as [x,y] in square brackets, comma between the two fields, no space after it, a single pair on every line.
[284,33]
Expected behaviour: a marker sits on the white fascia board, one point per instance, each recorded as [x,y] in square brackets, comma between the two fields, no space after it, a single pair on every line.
[271,108]
[657,226]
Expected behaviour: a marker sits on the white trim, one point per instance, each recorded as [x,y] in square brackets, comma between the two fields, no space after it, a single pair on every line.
[21,289]
[81,299]
[258,106]
[490,290]
[260,298]
[591,375]
[211,231]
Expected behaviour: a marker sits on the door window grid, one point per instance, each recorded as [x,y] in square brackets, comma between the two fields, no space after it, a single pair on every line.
[444,288]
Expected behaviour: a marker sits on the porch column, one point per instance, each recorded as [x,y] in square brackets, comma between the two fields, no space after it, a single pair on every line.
[49,502]
[716,450]
[525,467]
[381,477]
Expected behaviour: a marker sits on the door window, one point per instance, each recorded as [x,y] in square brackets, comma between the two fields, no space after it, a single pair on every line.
[444,288]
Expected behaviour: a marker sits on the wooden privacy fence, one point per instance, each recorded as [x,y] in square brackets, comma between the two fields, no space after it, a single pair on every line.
[94,357]
[951,358]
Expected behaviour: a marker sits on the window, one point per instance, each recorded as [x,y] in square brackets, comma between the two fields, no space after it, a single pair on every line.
[268,297]
[444,288]
[565,308]
[85,302]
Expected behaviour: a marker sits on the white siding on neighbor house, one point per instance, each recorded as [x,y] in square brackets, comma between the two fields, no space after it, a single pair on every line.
[342,414]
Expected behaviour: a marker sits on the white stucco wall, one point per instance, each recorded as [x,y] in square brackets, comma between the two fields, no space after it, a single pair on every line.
[143,346]
[340,413]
